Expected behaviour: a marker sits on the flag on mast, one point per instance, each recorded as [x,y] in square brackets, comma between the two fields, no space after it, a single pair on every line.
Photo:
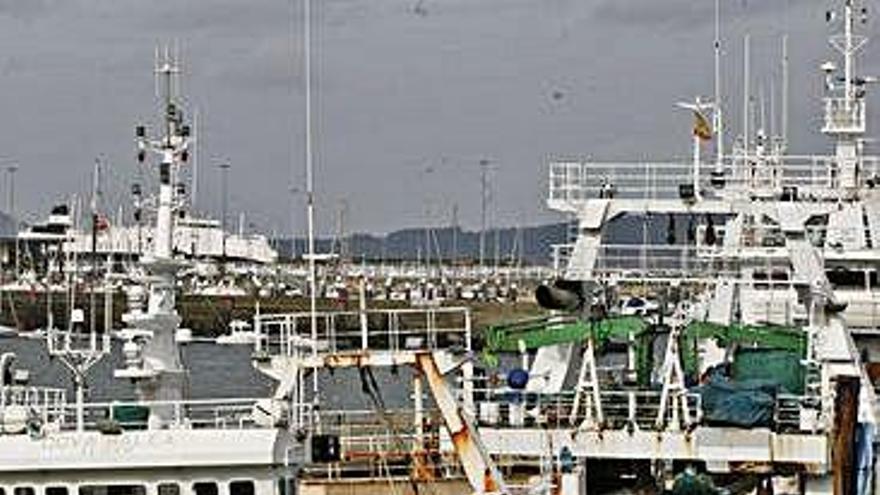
[702,129]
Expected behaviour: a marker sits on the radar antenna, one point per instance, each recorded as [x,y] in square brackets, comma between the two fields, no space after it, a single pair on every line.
[79,352]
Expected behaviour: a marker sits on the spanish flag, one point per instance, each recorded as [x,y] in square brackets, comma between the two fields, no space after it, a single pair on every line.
[702,129]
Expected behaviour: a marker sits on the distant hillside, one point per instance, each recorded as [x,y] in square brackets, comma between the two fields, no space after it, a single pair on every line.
[7,226]
[531,244]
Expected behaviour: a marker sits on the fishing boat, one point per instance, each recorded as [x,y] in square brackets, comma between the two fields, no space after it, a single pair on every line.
[753,374]
[162,442]
[239,334]
[761,378]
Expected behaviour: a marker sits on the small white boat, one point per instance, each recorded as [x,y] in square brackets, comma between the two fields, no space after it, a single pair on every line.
[240,334]
[32,334]
[183,335]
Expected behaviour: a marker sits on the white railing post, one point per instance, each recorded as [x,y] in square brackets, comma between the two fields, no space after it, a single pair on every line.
[258,330]
[631,412]
[330,330]
[393,330]
[45,406]
[431,330]
[467,368]
[287,331]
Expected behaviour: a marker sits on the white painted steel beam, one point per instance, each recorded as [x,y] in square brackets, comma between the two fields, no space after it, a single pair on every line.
[721,446]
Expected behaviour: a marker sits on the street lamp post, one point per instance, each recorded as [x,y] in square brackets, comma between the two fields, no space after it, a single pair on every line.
[484,167]
[294,191]
[11,169]
[224,170]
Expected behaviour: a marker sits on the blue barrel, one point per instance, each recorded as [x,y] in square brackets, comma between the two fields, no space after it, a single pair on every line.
[517,378]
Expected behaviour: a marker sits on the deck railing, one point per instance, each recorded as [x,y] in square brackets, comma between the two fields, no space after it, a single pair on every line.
[45,403]
[418,271]
[808,177]
[637,262]
[58,415]
[192,414]
[844,115]
[638,409]
[622,409]
[394,330]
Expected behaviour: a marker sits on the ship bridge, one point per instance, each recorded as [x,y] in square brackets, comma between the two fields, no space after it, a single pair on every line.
[662,187]
[804,196]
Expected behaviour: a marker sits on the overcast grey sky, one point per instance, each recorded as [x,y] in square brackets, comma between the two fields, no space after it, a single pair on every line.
[408,99]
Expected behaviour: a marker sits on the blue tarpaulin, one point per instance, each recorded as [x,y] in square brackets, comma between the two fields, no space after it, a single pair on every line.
[865,433]
[746,404]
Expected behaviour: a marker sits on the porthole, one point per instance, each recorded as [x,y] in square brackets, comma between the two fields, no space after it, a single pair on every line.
[241,487]
[205,488]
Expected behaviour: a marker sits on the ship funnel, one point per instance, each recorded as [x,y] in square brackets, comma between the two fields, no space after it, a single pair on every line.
[564,295]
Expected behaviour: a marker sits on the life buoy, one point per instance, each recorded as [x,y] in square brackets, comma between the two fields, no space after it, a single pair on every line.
[34,426]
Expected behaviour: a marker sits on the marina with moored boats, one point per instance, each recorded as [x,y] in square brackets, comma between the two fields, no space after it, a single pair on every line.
[738,355]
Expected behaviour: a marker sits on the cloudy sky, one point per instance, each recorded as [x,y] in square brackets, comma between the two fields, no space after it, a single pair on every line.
[410,95]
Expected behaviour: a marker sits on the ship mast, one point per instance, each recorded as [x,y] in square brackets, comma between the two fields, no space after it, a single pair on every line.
[785,89]
[717,117]
[845,107]
[167,147]
[310,188]
[152,357]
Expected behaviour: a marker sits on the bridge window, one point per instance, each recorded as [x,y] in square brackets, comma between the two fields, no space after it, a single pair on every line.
[241,488]
[205,488]
[56,490]
[112,490]
[169,489]
[635,302]
[846,279]
[23,490]
[760,276]
[286,486]
[779,276]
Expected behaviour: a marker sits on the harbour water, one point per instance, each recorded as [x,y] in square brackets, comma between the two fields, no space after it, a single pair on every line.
[214,371]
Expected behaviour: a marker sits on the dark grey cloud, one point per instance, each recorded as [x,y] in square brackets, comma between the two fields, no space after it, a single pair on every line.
[397,91]
[688,14]
[27,9]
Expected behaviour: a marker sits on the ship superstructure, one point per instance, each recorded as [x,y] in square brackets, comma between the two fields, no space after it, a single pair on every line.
[776,267]
[194,237]
[763,249]
[768,268]
[162,442]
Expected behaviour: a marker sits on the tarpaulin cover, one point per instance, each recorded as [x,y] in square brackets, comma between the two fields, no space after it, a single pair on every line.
[691,483]
[773,365]
[746,404]
[865,433]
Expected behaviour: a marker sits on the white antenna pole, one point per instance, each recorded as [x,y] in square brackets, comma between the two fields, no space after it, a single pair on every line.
[194,187]
[772,104]
[762,117]
[176,82]
[484,163]
[96,185]
[784,92]
[718,123]
[310,186]
[696,167]
[196,138]
[746,115]
[848,53]
[156,71]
